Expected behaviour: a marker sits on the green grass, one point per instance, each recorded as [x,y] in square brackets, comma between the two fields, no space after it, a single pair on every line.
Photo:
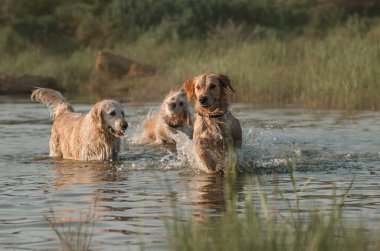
[73,234]
[261,227]
[256,224]
[339,70]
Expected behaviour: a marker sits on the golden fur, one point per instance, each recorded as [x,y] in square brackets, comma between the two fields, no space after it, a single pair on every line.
[173,116]
[92,136]
[217,133]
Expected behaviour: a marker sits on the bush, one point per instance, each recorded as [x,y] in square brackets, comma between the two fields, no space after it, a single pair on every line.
[93,23]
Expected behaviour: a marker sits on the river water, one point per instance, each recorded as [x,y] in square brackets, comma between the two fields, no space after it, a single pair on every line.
[131,201]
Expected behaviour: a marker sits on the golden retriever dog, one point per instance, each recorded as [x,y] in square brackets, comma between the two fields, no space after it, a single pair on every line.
[92,136]
[217,133]
[174,115]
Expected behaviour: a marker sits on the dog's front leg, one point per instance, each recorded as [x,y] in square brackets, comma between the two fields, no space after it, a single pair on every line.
[210,162]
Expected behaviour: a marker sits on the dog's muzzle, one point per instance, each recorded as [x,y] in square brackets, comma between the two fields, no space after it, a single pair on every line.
[119,133]
[204,101]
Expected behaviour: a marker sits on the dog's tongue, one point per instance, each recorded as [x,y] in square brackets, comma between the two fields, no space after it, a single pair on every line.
[120,133]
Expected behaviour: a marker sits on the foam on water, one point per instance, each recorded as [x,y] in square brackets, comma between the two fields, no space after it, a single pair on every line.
[261,151]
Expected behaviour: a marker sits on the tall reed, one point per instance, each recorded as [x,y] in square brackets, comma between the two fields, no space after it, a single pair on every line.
[261,227]
[73,234]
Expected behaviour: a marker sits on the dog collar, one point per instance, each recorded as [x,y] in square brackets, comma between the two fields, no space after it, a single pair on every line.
[212,116]
[172,125]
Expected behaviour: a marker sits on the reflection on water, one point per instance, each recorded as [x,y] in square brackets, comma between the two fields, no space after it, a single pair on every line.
[150,185]
[70,172]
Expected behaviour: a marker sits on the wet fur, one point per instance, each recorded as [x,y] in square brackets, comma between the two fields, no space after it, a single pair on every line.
[215,138]
[158,128]
[82,136]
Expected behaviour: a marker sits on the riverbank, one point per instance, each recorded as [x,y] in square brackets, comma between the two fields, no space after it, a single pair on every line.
[339,70]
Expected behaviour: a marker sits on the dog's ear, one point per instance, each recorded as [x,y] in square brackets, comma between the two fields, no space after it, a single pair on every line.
[189,89]
[226,82]
[96,116]
[182,92]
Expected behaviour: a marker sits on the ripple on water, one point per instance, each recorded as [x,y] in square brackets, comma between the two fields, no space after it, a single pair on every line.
[134,197]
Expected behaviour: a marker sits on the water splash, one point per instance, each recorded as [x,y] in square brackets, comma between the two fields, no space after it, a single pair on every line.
[265,151]
[262,151]
[185,151]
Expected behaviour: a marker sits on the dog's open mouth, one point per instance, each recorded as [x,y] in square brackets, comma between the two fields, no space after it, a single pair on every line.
[117,133]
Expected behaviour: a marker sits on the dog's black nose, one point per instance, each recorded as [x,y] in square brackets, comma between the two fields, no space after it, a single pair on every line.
[124,126]
[203,100]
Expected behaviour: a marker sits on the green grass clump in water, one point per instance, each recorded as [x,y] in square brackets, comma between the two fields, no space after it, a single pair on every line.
[73,236]
[260,228]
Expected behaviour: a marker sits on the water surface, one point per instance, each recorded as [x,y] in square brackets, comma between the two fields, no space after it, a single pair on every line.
[132,199]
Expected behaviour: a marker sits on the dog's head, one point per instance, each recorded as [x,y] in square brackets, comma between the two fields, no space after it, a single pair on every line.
[176,107]
[108,115]
[209,91]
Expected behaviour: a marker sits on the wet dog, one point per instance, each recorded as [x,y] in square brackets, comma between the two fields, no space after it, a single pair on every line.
[92,136]
[174,115]
[217,133]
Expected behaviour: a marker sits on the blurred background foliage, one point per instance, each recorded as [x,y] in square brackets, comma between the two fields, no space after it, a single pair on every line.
[62,25]
[313,53]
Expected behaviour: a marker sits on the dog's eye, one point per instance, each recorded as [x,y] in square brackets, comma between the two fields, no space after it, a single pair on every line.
[198,87]
[212,86]
[181,103]
[113,113]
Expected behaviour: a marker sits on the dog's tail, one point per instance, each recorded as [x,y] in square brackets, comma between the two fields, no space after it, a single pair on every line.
[53,99]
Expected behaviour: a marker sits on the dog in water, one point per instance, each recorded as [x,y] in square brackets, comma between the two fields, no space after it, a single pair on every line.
[217,133]
[92,136]
[174,115]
